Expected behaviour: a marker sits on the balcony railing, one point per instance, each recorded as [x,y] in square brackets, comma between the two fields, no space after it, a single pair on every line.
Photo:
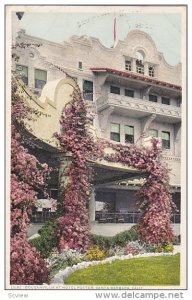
[142,105]
[107,217]
[128,217]
[42,216]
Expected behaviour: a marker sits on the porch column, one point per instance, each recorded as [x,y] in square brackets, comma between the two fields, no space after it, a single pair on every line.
[63,178]
[92,206]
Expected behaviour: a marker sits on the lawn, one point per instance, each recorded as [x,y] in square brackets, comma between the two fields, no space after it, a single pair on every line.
[148,271]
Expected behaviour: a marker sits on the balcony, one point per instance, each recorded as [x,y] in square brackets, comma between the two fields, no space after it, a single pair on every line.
[139,108]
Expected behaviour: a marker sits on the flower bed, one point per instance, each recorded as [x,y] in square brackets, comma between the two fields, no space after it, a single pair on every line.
[62,275]
[63,264]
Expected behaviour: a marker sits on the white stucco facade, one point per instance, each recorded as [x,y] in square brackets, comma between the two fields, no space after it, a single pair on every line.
[143,95]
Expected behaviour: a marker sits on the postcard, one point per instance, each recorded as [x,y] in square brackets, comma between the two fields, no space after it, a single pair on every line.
[96,122]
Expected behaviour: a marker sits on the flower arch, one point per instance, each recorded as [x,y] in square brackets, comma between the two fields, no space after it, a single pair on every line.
[155,201]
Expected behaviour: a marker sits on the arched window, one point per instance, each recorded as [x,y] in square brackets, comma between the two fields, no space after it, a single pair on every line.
[140,55]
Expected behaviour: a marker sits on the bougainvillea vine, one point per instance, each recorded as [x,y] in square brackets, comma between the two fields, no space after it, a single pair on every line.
[76,140]
[155,201]
[155,198]
[27,176]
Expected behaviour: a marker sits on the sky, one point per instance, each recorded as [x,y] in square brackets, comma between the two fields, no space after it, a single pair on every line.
[164,28]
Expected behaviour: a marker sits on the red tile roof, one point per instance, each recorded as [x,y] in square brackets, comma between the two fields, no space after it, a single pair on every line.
[136,76]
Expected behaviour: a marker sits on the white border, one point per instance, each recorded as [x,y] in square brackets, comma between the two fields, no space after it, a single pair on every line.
[87,294]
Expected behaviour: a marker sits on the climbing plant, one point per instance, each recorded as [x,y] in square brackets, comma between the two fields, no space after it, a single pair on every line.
[155,198]
[76,140]
[27,177]
[155,201]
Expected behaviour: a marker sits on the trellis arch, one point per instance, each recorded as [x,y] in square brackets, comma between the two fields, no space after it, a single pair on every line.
[155,199]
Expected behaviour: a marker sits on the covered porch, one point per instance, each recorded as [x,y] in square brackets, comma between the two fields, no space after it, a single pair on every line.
[113,205]
[109,203]
[116,205]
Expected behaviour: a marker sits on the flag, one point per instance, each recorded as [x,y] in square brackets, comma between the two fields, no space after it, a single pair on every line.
[114,32]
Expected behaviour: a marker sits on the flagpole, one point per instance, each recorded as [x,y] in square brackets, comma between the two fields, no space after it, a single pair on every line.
[114,33]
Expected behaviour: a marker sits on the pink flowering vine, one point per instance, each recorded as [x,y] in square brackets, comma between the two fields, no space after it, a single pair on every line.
[27,176]
[155,198]
[76,140]
[155,201]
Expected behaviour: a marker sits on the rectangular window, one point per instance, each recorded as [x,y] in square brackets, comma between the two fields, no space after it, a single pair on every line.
[40,78]
[152,98]
[153,132]
[80,65]
[129,134]
[88,90]
[139,67]
[165,100]
[140,70]
[115,132]
[165,139]
[128,65]
[54,193]
[129,93]
[151,72]
[114,90]
[23,71]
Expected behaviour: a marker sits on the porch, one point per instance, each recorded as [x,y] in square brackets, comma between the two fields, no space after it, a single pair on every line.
[125,217]
[114,207]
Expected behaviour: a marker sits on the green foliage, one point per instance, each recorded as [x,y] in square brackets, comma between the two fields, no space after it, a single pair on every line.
[163,248]
[169,248]
[120,239]
[48,238]
[58,261]
[95,253]
[102,242]
[148,271]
